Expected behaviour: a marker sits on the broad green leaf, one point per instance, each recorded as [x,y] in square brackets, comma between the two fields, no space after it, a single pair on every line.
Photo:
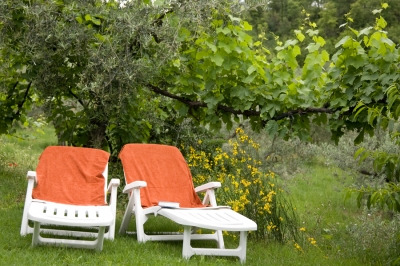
[227,47]
[342,41]
[184,34]
[251,69]
[234,18]
[311,32]
[249,78]
[381,22]
[300,36]
[384,5]
[247,26]
[211,46]
[202,54]
[79,20]
[241,92]
[354,31]
[319,40]
[96,21]
[224,30]
[290,43]
[100,37]
[365,31]
[376,11]
[217,59]
[272,127]
[312,47]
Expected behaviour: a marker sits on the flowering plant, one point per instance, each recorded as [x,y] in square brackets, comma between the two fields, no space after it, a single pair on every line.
[246,186]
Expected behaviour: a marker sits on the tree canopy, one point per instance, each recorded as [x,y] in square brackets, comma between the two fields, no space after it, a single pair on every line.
[104,72]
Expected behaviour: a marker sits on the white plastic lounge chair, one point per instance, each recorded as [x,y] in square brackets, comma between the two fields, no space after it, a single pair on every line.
[70,198]
[156,173]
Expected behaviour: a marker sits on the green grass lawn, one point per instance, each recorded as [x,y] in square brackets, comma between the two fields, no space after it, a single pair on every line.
[318,195]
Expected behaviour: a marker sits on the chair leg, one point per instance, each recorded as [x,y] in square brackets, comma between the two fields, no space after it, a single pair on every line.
[100,238]
[187,250]
[125,221]
[36,232]
[242,246]
[221,243]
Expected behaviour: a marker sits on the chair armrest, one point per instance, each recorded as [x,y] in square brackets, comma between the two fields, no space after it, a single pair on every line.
[205,187]
[31,175]
[113,183]
[137,184]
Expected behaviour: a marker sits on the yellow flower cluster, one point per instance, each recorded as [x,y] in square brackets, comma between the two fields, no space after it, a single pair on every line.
[247,188]
[297,247]
[271,226]
[312,241]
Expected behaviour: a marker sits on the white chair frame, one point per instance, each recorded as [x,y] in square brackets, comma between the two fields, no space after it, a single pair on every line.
[80,217]
[216,218]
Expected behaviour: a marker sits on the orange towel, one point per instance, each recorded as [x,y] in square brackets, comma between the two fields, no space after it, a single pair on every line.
[71,175]
[164,169]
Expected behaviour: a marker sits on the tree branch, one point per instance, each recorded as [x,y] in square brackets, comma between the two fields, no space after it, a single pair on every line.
[20,104]
[227,109]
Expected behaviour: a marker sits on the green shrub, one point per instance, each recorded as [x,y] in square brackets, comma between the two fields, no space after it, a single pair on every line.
[246,186]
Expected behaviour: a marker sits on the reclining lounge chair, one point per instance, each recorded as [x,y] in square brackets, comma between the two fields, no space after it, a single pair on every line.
[155,173]
[70,198]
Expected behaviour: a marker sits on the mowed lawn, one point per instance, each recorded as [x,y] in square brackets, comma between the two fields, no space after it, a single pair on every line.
[318,195]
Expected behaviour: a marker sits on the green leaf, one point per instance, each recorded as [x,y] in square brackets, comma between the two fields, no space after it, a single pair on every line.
[354,31]
[184,34]
[342,41]
[319,40]
[376,11]
[225,30]
[358,109]
[359,138]
[365,31]
[358,152]
[211,46]
[299,35]
[202,54]
[217,59]
[272,127]
[241,92]
[251,69]
[96,21]
[249,78]
[247,26]
[381,22]
[226,47]
[311,32]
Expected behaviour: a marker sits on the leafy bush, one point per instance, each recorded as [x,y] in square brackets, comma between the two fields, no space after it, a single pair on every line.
[377,237]
[246,186]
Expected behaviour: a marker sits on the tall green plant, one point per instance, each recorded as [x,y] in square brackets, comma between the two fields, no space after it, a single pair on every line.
[247,186]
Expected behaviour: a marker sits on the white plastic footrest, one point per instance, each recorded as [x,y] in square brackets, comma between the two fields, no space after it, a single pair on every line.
[214,219]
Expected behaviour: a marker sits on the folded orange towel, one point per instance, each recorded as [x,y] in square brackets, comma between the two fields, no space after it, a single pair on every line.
[71,175]
[164,169]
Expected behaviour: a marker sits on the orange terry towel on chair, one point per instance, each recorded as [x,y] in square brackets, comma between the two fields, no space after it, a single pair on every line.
[71,175]
[166,172]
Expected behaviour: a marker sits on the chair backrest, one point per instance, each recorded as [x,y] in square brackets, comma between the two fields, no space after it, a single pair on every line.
[164,169]
[72,175]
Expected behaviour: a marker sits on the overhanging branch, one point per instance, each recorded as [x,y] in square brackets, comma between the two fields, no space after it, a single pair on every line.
[248,113]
